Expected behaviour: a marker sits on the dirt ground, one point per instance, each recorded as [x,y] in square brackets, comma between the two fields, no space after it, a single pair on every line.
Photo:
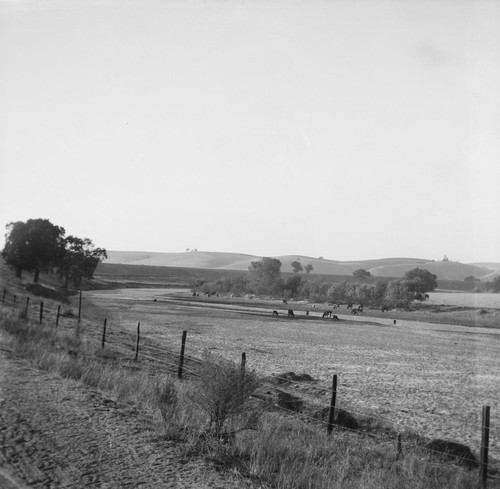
[429,379]
[55,433]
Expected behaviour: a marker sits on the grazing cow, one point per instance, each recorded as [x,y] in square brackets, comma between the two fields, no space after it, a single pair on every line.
[284,301]
[356,310]
[154,300]
[349,306]
[335,317]
[385,308]
[275,313]
[290,313]
[327,314]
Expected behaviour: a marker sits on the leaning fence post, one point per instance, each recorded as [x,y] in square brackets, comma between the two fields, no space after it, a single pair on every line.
[331,413]
[41,312]
[181,358]
[485,440]
[104,333]
[58,314]
[137,341]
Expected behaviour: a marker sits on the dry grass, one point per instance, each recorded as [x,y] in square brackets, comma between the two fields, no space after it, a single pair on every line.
[281,453]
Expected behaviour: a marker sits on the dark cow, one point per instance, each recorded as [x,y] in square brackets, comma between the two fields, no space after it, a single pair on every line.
[275,313]
[349,306]
[307,313]
[284,301]
[327,314]
[290,313]
[385,308]
[356,310]
[335,317]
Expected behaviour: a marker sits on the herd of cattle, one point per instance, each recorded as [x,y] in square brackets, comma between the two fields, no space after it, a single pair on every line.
[326,314]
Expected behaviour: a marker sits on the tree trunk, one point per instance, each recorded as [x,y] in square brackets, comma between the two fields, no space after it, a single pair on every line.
[36,275]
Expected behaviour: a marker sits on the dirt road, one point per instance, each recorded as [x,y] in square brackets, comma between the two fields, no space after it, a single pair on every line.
[54,433]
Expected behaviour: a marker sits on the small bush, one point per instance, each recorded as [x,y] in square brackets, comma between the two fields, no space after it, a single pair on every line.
[223,394]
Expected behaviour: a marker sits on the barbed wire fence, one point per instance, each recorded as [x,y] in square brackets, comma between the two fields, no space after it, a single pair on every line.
[183,362]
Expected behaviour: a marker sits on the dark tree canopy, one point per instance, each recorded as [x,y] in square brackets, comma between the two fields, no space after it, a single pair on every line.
[421,280]
[495,284]
[79,260]
[293,284]
[296,266]
[265,275]
[35,246]
[361,273]
[308,268]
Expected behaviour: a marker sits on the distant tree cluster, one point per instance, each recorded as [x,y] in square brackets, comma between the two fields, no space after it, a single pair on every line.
[265,278]
[37,246]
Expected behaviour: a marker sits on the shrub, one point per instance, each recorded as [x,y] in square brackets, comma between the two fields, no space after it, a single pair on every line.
[223,394]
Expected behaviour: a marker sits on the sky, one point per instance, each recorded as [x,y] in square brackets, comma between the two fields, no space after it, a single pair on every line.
[344,129]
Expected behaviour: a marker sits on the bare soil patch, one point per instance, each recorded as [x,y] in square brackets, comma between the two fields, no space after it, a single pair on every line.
[429,379]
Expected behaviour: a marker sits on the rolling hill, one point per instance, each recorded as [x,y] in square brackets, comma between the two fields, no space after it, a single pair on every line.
[384,267]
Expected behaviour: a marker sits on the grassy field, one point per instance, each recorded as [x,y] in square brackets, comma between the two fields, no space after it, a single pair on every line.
[430,379]
[420,379]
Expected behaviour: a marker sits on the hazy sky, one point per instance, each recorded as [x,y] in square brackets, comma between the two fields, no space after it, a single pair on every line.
[343,129]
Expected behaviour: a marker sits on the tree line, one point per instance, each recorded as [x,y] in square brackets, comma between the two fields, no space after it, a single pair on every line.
[37,246]
[265,278]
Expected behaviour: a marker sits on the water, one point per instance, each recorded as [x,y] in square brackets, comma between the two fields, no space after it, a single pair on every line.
[466,299]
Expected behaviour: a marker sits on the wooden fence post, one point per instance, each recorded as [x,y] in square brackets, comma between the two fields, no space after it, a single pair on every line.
[41,312]
[58,314]
[137,341]
[242,373]
[104,333]
[331,413]
[80,307]
[4,294]
[400,447]
[25,314]
[181,358]
[485,441]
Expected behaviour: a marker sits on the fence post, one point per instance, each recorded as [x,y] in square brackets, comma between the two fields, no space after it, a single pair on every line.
[41,312]
[400,447]
[104,333]
[25,315]
[243,363]
[4,294]
[331,413]
[242,373]
[181,358]
[137,341]
[485,441]
[58,314]
[80,307]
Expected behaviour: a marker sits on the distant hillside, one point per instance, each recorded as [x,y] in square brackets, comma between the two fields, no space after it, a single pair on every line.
[384,267]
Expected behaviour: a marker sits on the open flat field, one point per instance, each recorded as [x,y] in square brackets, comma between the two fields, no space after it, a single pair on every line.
[431,379]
